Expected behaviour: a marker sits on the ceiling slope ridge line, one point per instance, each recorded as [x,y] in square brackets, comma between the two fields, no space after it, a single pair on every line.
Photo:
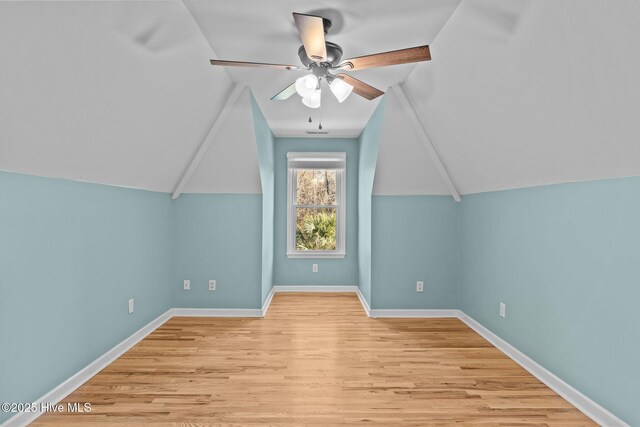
[195,22]
[423,135]
[446,22]
[413,70]
[217,123]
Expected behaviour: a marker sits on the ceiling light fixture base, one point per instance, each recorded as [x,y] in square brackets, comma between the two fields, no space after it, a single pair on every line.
[334,55]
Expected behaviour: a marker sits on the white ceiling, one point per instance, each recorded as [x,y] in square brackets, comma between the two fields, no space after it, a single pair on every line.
[519,93]
[230,165]
[111,92]
[403,167]
[264,31]
[523,93]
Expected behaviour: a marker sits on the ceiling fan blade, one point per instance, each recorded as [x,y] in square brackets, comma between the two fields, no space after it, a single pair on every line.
[394,57]
[360,87]
[311,29]
[285,93]
[252,64]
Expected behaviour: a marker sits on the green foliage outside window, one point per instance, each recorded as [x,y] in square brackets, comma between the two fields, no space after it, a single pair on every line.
[315,214]
[316,229]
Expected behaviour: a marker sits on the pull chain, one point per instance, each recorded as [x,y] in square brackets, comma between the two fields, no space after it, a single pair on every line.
[320,124]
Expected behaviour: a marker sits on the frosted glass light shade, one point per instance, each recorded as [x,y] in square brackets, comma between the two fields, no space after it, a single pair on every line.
[306,85]
[312,101]
[340,89]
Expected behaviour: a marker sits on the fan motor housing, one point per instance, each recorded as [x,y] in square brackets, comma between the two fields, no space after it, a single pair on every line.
[334,55]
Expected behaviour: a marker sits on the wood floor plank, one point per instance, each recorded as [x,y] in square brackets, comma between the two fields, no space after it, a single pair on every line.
[316,359]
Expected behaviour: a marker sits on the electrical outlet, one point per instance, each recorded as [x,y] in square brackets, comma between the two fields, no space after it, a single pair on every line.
[419,286]
[131,306]
[503,310]
[314,268]
[187,285]
[212,285]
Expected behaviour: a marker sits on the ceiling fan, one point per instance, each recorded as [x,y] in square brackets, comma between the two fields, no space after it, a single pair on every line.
[322,58]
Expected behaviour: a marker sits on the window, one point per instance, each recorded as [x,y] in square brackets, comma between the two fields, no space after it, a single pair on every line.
[316,205]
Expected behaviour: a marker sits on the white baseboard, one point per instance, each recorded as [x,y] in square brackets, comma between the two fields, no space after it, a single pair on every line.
[217,312]
[226,312]
[85,374]
[364,303]
[403,313]
[315,288]
[267,302]
[590,408]
[587,406]
[413,313]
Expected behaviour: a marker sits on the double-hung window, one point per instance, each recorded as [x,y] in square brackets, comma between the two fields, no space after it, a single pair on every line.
[316,205]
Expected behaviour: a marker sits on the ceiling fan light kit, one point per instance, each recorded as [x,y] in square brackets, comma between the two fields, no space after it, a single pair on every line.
[307,85]
[340,89]
[312,101]
[321,57]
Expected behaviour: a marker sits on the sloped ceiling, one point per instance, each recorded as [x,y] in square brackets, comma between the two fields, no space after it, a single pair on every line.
[230,165]
[403,166]
[112,92]
[522,93]
[519,93]
[264,31]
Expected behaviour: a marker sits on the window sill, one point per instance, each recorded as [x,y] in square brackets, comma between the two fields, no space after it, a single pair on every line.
[316,255]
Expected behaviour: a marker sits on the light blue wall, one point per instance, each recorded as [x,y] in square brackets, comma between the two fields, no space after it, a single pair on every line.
[217,236]
[336,271]
[414,238]
[265,146]
[369,143]
[71,255]
[565,259]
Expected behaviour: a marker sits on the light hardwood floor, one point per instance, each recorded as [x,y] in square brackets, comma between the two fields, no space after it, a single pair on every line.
[316,359]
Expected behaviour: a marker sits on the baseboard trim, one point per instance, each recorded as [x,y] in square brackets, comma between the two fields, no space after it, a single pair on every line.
[583,403]
[364,303]
[267,302]
[587,406]
[413,313]
[217,312]
[86,373]
[315,288]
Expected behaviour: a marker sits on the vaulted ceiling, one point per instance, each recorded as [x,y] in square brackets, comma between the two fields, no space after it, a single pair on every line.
[518,93]
[264,31]
[111,92]
[522,93]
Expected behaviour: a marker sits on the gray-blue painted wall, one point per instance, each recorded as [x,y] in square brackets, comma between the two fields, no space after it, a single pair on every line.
[565,259]
[297,271]
[369,142]
[265,146]
[414,238]
[217,236]
[71,256]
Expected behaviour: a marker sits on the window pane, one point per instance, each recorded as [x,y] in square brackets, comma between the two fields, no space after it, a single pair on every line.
[316,187]
[316,229]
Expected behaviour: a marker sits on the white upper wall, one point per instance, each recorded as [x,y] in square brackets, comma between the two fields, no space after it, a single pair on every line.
[518,93]
[523,93]
[113,92]
[230,165]
[403,167]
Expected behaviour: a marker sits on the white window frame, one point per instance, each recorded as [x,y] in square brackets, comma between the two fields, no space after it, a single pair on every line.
[317,158]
